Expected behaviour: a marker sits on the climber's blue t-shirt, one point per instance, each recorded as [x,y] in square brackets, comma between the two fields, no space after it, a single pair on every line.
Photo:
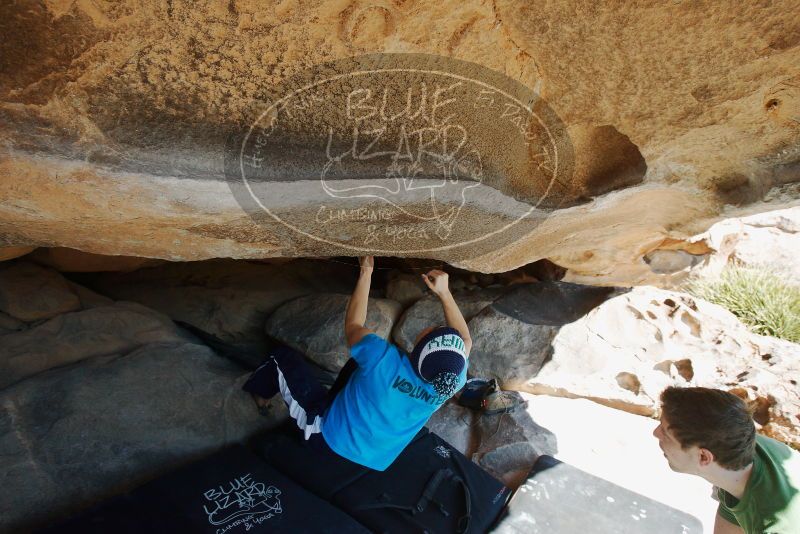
[382,406]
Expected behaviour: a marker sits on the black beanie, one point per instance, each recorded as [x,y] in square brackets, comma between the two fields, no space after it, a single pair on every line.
[439,358]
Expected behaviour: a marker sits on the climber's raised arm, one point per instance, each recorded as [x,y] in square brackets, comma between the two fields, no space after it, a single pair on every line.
[437,281]
[356,315]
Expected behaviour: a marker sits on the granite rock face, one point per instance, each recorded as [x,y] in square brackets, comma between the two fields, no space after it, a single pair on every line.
[764,240]
[116,120]
[504,440]
[9,253]
[509,443]
[314,325]
[97,396]
[9,325]
[456,425]
[30,292]
[68,260]
[230,299]
[74,435]
[512,338]
[624,352]
[769,240]
[406,288]
[428,312]
[74,336]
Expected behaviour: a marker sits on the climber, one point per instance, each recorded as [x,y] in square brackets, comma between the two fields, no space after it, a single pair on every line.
[710,433]
[389,395]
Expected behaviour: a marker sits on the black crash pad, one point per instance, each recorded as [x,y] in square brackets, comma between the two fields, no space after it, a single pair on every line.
[559,498]
[430,487]
[230,492]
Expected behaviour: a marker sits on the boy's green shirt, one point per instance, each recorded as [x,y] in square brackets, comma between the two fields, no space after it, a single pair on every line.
[771,500]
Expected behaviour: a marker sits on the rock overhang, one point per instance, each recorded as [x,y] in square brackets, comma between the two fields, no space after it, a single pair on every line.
[115,142]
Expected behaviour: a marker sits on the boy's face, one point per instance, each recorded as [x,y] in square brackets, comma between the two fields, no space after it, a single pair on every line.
[680,460]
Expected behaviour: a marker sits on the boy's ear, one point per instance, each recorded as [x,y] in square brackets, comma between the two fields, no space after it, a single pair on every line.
[706,457]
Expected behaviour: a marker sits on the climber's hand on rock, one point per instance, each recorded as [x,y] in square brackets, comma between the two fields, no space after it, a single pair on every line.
[367,264]
[437,281]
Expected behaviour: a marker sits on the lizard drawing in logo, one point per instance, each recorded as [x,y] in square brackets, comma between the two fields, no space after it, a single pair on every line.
[408,167]
[241,498]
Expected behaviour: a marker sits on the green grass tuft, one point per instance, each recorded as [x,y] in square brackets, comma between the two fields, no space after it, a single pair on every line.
[760,298]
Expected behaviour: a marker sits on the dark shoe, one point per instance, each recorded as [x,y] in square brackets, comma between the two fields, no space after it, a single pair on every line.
[504,402]
[264,380]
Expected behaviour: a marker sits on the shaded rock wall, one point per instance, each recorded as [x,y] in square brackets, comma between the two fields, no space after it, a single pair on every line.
[98,396]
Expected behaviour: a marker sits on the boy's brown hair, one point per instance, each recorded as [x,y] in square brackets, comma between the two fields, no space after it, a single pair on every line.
[711,419]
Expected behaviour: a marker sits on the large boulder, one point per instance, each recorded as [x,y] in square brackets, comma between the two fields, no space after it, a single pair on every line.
[428,312]
[627,350]
[765,240]
[510,442]
[75,435]
[89,298]
[512,337]
[74,336]
[771,239]
[114,142]
[456,425]
[230,299]
[405,288]
[9,253]
[71,260]
[10,324]
[30,292]
[314,325]
[504,440]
